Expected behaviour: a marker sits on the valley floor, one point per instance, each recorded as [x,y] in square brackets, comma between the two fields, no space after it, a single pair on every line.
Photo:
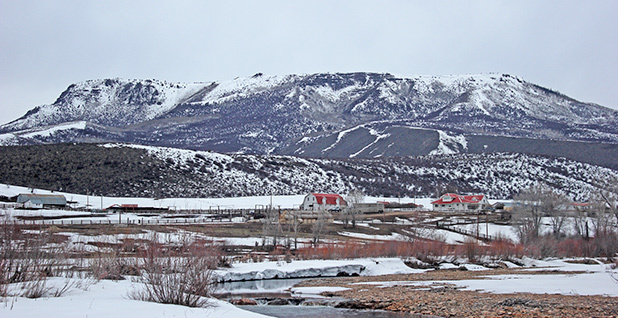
[556,288]
[456,288]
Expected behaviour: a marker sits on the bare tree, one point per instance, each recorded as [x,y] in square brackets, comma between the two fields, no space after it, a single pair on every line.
[528,213]
[605,223]
[555,205]
[295,222]
[611,201]
[580,221]
[271,226]
[318,227]
[350,212]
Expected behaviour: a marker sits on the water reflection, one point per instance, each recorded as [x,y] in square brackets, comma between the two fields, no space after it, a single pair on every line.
[319,311]
[275,288]
[261,286]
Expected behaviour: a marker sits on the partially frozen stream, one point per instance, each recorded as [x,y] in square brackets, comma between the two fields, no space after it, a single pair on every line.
[270,285]
[278,288]
[257,288]
[319,311]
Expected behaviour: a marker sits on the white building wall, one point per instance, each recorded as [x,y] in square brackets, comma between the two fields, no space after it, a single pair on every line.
[30,205]
[310,202]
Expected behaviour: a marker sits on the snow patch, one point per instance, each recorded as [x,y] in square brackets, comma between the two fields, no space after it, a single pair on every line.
[378,136]
[314,268]
[78,125]
[449,144]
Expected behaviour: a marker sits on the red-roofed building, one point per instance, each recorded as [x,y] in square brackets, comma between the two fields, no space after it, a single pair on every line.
[323,201]
[455,202]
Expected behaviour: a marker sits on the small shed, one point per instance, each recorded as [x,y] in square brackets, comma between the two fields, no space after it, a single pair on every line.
[40,201]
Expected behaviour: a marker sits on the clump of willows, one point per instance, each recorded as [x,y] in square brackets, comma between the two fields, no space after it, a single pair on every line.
[28,258]
[180,274]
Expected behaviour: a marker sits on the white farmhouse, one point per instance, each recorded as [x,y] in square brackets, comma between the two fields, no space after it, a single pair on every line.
[452,202]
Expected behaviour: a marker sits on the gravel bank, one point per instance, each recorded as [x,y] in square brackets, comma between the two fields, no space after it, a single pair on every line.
[448,300]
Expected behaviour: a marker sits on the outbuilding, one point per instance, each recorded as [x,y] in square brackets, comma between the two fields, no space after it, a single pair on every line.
[40,201]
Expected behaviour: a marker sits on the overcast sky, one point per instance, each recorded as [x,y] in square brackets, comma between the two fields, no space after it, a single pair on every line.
[568,46]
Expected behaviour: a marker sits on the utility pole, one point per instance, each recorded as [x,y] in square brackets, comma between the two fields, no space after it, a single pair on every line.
[487,225]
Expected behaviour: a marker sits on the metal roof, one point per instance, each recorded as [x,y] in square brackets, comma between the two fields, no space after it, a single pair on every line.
[331,199]
[45,199]
[456,198]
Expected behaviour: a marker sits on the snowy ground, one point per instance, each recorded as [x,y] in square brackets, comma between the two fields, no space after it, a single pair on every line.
[315,268]
[106,299]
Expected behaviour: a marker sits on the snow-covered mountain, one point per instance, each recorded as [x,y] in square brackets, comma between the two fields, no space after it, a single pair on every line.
[356,115]
[109,102]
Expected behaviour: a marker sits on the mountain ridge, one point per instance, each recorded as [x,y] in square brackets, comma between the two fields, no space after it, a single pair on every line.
[304,115]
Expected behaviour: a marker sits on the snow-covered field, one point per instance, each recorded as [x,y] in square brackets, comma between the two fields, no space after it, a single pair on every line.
[88,298]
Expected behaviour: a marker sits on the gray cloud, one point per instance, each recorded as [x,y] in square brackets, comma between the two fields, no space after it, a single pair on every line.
[567,46]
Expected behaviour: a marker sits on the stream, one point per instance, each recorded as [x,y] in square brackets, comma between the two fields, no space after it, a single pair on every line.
[288,311]
[277,289]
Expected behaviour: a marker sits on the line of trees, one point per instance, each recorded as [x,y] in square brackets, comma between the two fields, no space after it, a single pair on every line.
[547,222]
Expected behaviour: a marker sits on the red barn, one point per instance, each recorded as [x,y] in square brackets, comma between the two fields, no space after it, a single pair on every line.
[323,201]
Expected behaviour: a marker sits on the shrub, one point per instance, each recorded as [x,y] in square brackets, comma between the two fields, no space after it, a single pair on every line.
[28,259]
[177,279]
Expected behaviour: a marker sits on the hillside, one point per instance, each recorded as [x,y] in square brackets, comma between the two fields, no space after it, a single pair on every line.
[140,171]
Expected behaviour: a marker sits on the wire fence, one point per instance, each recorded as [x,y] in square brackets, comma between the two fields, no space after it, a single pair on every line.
[127,221]
[451,226]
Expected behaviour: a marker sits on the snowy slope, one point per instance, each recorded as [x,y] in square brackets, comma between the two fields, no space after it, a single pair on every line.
[159,172]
